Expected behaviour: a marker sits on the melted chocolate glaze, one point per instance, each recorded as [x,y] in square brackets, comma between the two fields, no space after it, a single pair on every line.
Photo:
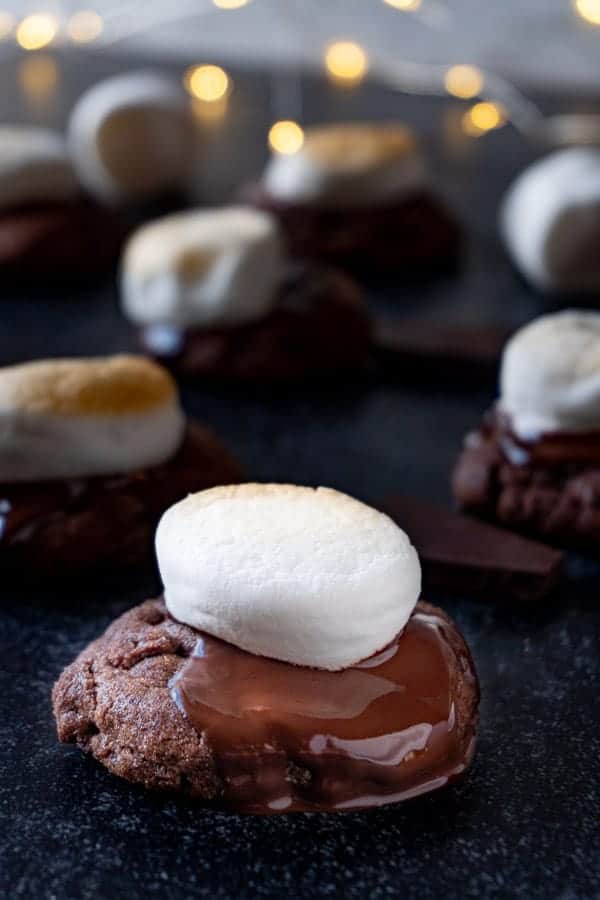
[319,325]
[290,738]
[63,526]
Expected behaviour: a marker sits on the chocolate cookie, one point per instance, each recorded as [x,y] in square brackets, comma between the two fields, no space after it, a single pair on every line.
[550,489]
[413,234]
[160,704]
[62,528]
[59,241]
[319,326]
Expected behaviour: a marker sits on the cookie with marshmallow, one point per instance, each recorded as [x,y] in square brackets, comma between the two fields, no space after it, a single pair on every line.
[291,665]
[132,138]
[550,221]
[359,194]
[533,464]
[301,564]
[47,227]
[211,292]
[91,450]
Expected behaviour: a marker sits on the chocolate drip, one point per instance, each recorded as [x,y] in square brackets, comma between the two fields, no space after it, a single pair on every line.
[289,738]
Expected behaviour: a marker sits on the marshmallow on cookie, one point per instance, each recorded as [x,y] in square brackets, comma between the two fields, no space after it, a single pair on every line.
[310,577]
[34,168]
[348,165]
[131,137]
[71,418]
[550,379]
[203,268]
[550,221]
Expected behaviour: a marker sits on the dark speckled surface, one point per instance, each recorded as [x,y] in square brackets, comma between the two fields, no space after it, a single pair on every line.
[525,823]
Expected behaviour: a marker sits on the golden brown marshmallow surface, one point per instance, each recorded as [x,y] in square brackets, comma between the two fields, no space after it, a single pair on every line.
[73,387]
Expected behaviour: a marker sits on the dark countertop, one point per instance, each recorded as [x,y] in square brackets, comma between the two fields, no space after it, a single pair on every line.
[525,822]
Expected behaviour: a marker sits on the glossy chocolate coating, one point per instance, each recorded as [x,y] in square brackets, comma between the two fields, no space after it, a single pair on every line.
[289,738]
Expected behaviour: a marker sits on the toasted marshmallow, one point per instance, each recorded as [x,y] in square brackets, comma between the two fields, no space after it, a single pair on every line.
[550,378]
[72,418]
[550,221]
[203,268]
[348,165]
[132,137]
[34,167]
[311,577]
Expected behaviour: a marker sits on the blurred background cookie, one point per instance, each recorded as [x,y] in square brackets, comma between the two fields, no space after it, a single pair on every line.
[131,137]
[359,195]
[212,294]
[92,451]
[48,228]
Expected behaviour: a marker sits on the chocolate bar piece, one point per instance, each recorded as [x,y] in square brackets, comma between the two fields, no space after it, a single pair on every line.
[409,344]
[462,555]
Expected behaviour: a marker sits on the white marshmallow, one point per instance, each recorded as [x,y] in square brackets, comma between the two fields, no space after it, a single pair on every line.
[348,165]
[79,418]
[34,167]
[550,378]
[132,137]
[550,221]
[203,268]
[311,577]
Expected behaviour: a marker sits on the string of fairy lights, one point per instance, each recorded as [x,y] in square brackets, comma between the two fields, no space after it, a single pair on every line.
[491,100]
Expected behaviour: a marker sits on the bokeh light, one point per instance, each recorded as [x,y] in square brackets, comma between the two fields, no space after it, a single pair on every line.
[286,137]
[346,61]
[483,117]
[588,10]
[84,26]
[230,4]
[37,30]
[464,81]
[404,5]
[207,83]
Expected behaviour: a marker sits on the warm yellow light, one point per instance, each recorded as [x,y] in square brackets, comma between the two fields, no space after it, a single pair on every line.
[464,81]
[84,26]
[38,76]
[346,61]
[37,30]
[207,83]
[483,117]
[404,5]
[230,4]
[286,137]
[7,23]
[588,10]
